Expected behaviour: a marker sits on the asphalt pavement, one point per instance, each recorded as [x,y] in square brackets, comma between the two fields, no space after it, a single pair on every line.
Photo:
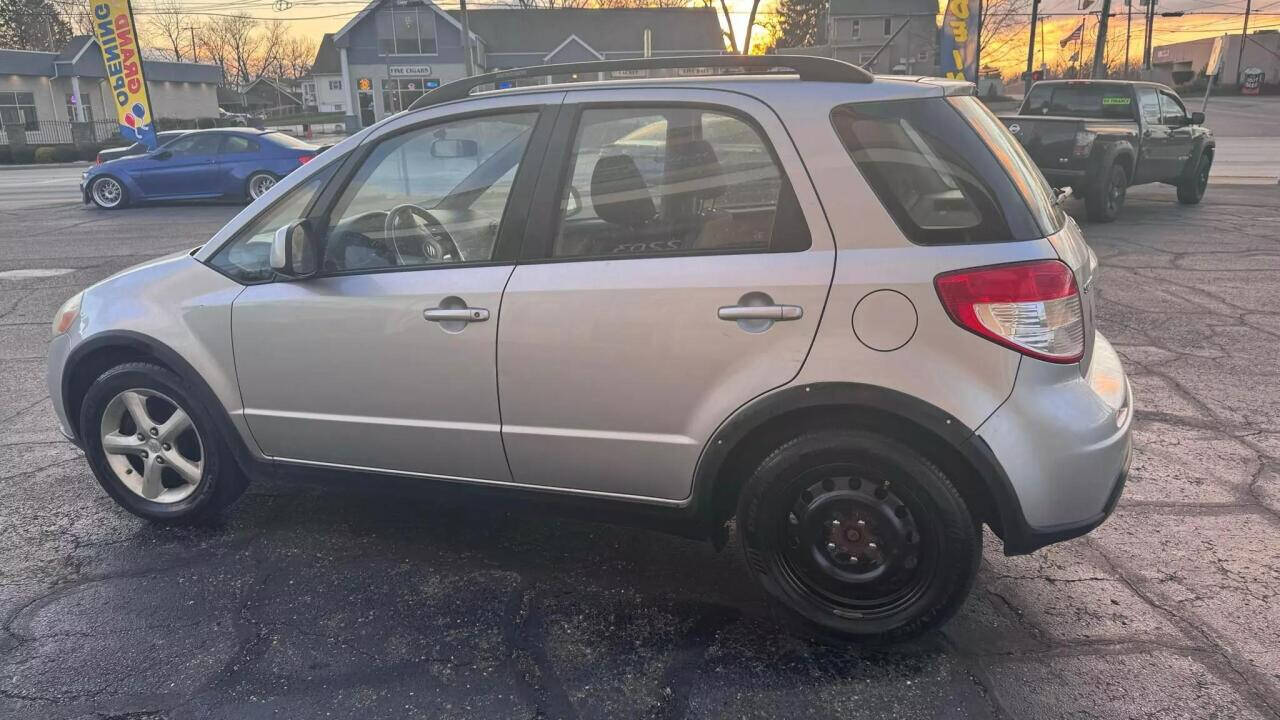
[313,601]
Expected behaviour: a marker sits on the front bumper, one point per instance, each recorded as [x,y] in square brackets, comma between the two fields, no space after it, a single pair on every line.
[59,350]
[1062,443]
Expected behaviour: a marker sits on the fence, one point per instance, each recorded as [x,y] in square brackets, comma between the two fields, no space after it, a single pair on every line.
[54,132]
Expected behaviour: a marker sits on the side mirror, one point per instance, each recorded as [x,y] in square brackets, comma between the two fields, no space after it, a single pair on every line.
[161,155]
[1197,118]
[294,252]
[455,148]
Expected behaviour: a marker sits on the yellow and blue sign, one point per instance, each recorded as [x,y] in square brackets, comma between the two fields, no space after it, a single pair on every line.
[958,51]
[117,36]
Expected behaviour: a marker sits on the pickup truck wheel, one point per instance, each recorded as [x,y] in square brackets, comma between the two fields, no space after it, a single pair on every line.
[1191,189]
[854,536]
[1104,200]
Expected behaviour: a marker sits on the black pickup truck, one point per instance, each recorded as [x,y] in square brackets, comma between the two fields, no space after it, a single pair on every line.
[1098,137]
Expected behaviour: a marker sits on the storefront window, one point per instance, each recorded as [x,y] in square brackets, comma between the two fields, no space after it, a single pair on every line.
[407,32]
[19,107]
[399,93]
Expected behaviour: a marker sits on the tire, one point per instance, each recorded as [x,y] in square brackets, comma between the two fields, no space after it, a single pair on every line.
[1104,200]
[258,184]
[1191,189]
[189,492]
[908,547]
[104,188]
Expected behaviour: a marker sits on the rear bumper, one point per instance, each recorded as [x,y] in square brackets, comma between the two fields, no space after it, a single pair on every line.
[1061,449]
[1063,178]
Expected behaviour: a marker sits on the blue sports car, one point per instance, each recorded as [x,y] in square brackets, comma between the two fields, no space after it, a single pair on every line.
[238,163]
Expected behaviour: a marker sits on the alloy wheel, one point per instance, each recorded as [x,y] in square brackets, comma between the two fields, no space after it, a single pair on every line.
[152,446]
[107,191]
[260,184]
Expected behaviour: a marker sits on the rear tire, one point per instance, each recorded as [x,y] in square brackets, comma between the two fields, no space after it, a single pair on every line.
[164,471]
[854,536]
[258,184]
[1104,200]
[1191,189]
[108,193]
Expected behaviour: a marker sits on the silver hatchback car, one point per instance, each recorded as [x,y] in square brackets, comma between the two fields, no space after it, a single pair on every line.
[843,317]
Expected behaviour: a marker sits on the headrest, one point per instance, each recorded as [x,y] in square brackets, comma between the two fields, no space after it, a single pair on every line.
[695,170]
[618,192]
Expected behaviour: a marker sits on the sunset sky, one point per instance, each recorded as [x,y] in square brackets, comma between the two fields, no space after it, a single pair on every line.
[1205,18]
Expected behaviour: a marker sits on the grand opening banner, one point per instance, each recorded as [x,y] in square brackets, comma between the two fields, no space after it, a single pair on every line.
[117,36]
[958,53]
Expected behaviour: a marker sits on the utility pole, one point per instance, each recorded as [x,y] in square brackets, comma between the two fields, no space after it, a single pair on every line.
[1100,43]
[1031,42]
[1146,41]
[1244,38]
[195,55]
[468,65]
[1128,31]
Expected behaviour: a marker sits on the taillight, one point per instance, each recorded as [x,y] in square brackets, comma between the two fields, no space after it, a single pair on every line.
[1032,307]
[97,159]
[1084,143]
[304,159]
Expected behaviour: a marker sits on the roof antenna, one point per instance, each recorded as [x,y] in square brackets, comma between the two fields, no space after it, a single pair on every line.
[867,65]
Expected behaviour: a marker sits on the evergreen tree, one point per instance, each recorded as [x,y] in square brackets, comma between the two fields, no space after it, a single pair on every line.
[32,25]
[800,23]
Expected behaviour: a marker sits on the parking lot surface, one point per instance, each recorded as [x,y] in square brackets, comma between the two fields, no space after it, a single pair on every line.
[310,601]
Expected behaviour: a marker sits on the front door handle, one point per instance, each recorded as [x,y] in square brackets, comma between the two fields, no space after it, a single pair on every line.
[462,314]
[776,313]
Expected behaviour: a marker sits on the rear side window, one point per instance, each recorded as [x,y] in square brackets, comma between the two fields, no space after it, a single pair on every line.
[947,171]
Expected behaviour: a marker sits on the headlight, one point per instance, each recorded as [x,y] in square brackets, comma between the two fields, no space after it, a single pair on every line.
[67,314]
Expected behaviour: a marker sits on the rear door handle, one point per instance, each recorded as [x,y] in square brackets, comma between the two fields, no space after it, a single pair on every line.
[761,312]
[462,314]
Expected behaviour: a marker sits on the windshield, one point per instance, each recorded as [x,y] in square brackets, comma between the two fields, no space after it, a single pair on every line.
[1103,102]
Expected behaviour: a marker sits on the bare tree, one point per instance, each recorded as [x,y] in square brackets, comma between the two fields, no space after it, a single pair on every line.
[1005,24]
[270,42]
[169,29]
[548,4]
[296,56]
[623,4]
[234,42]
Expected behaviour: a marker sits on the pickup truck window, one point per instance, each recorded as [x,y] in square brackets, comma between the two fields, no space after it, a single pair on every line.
[1149,102]
[1106,102]
[943,173]
[1172,111]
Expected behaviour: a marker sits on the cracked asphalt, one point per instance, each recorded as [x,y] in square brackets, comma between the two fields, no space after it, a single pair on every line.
[313,601]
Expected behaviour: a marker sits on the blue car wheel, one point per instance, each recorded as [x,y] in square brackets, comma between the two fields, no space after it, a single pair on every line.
[108,193]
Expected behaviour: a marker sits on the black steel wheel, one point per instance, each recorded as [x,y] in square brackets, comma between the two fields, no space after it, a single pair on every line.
[854,536]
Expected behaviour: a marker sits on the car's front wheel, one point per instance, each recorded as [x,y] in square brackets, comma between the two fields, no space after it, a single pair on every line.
[855,536]
[154,448]
[258,184]
[108,193]
[1191,189]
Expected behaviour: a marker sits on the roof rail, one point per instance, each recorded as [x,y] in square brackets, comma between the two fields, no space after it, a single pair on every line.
[808,67]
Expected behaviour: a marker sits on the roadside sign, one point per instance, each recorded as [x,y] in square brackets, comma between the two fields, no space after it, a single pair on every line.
[117,37]
[1214,66]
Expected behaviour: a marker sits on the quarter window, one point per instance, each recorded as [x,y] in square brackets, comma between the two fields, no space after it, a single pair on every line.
[646,181]
[429,196]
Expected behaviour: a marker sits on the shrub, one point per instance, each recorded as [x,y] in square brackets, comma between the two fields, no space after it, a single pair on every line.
[44,155]
[65,153]
[90,152]
[6,157]
[24,155]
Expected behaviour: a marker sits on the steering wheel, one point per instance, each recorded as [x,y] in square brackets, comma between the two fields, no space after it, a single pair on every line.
[437,243]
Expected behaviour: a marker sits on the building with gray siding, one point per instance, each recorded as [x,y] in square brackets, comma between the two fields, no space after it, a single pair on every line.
[857,29]
[66,86]
[392,51]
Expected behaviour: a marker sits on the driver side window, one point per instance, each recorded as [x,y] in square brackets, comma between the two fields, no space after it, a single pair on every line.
[431,195]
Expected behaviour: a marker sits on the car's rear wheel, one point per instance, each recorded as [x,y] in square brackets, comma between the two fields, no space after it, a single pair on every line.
[1191,189]
[854,536]
[154,448]
[1104,200]
[259,183]
[108,193]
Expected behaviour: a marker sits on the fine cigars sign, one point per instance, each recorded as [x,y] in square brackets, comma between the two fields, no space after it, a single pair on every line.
[117,37]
